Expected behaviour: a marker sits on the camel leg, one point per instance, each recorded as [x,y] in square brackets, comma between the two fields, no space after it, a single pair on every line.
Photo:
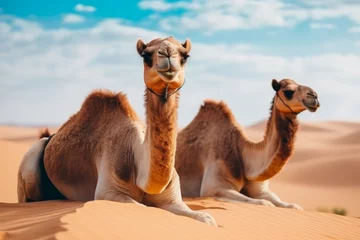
[260,190]
[230,195]
[111,193]
[116,197]
[106,190]
[215,185]
[29,174]
[170,200]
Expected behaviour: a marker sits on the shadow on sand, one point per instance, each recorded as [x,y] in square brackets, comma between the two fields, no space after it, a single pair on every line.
[36,220]
[196,207]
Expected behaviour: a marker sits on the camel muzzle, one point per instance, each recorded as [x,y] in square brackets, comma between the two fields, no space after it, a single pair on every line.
[311,103]
[167,67]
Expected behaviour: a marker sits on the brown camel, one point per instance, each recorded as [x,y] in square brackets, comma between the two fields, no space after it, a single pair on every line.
[215,158]
[104,151]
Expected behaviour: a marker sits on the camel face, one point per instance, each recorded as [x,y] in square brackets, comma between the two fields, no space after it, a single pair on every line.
[294,98]
[164,62]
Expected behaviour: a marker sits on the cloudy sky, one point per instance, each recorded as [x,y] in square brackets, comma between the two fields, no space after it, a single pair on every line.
[52,56]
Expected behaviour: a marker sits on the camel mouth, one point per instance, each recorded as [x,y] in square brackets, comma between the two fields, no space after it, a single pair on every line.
[313,107]
[168,76]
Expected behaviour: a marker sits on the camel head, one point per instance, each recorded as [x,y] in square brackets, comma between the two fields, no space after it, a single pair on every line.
[294,98]
[164,63]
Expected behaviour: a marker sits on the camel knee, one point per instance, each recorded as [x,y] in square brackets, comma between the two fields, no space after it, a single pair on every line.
[211,192]
[113,195]
[21,190]
[29,173]
[28,190]
[29,184]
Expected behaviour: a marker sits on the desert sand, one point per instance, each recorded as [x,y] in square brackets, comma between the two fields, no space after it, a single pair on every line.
[324,173]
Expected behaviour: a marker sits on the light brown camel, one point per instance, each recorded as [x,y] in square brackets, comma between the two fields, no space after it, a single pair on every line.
[104,151]
[215,158]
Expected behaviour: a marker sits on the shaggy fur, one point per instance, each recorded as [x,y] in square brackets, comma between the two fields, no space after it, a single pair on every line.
[286,127]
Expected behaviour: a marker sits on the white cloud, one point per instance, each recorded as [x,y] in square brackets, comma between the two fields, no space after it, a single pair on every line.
[214,15]
[161,5]
[84,8]
[73,18]
[228,15]
[155,5]
[354,30]
[154,16]
[46,74]
[322,26]
[4,28]
[357,44]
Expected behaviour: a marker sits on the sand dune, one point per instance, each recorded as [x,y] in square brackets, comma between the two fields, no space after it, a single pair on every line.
[352,138]
[313,126]
[323,173]
[110,220]
[329,126]
[10,157]
[25,135]
[319,197]
[16,132]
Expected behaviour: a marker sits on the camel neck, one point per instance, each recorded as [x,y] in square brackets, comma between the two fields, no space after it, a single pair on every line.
[264,159]
[160,142]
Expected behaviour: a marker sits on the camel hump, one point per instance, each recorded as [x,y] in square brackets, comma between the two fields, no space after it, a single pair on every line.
[217,108]
[101,100]
[44,133]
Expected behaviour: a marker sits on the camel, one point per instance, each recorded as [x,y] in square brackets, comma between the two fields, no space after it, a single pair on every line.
[104,152]
[215,158]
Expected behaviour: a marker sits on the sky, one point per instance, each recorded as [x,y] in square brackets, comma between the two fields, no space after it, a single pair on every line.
[53,55]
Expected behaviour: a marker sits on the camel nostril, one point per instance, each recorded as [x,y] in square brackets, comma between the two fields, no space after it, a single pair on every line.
[311,94]
[163,53]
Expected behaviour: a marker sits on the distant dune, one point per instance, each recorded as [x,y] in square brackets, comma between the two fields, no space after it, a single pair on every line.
[323,173]
[351,138]
[25,135]
[329,126]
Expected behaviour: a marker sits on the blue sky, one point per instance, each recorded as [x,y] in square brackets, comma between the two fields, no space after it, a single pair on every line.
[52,55]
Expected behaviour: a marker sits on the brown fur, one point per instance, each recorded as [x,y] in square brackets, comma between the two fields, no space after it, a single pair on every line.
[162,118]
[213,127]
[214,135]
[88,136]
[216,109]
[104,152]
[107,127]
[220,112]
[286,127]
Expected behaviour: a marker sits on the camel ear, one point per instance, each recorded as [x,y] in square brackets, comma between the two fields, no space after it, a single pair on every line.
[140,46]
[275,85]
[187,45]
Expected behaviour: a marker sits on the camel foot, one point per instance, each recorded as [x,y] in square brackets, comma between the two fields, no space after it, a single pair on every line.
[293,206]
[264,203]
[205,218]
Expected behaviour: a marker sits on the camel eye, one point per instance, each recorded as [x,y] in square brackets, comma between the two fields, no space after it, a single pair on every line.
[184,58]
[147,57]
[288,94]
